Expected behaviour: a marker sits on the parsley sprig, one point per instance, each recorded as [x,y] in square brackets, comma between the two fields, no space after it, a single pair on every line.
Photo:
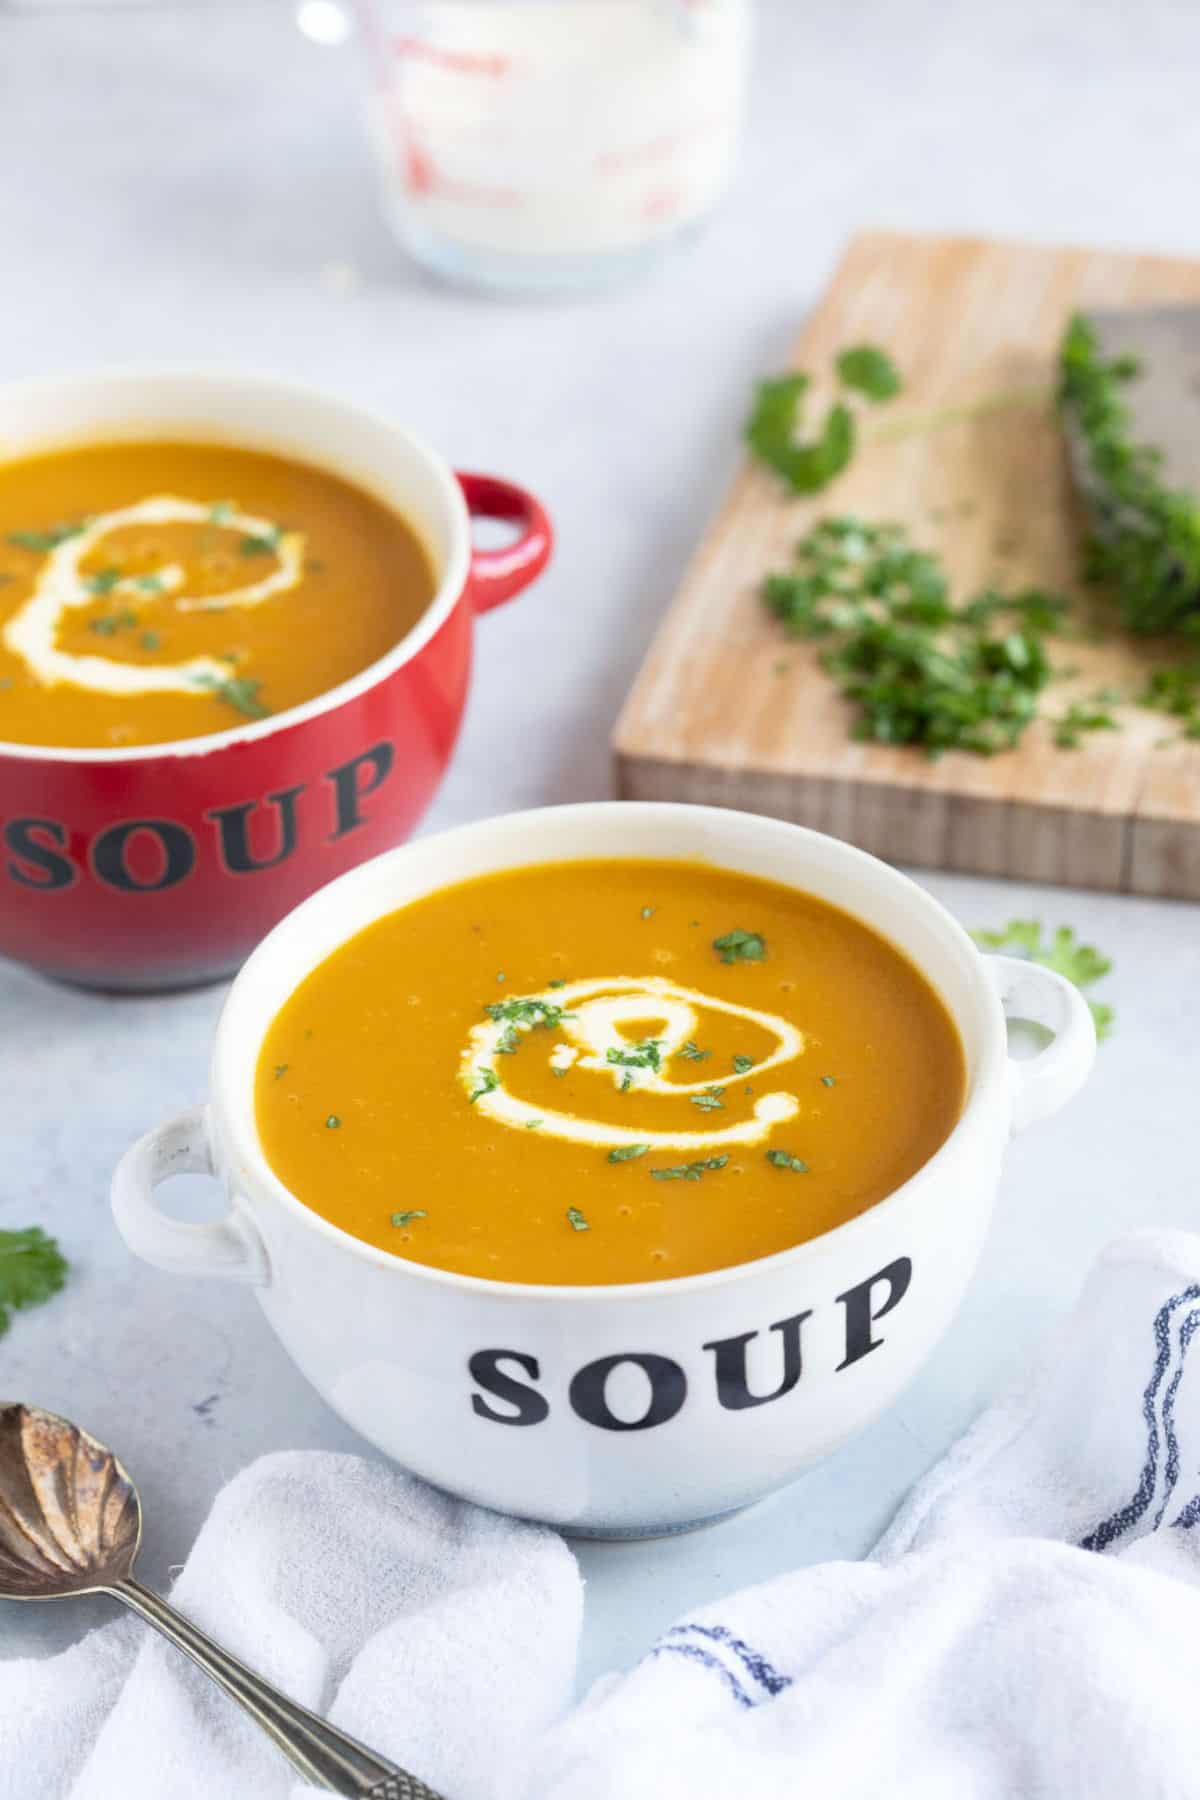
[32,1268]
[772,430]
[646,1054]
[1081,963]
[690,1171]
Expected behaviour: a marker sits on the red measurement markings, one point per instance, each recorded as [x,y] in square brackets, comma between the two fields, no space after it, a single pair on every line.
[463,62]
[659,149]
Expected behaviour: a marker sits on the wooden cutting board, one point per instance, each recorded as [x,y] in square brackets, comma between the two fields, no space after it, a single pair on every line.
[729,711]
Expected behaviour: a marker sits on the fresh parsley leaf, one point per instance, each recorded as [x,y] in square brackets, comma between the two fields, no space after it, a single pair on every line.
[41,541]
[556,984]
[576,1219]
[488,1082]
[527,1012]
[1081,717]
[644,1055]
[333,1123]
[32,1268]
[222,511]
[742,1065]
[534,1124]
[108,624]
[1081,963]
[692,1052]
[827,1081]
[710,1100]
[783,1159]
[281,1069]
[406,1218]
[103,581]
[237,691]
[627,1152]
[648,912]
[740,946]
[509,1041]
[870,371]
[150,640]
[261,543]
[689,1171]
[149,584]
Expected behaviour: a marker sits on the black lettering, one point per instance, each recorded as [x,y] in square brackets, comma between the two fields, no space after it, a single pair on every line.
[531,1407]
[860,1315]
[44,868]
[349,791]
[668,1391]
[233,829]
[733,1387]
[110,855]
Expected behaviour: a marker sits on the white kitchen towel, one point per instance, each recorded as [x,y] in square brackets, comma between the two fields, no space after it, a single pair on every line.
[1029,1628]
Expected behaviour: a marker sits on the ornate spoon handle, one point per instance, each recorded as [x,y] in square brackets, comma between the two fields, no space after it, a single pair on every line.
[324,1756]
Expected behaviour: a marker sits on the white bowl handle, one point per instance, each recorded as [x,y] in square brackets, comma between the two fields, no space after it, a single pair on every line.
[1043,1083]
[230,1247]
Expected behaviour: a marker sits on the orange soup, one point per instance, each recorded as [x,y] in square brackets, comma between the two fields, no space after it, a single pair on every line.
[156,591]
[604,1072]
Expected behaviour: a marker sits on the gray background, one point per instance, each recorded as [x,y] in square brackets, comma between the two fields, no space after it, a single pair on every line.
[178,185]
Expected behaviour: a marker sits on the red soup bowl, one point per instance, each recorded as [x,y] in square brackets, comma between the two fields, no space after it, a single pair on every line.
[164,865]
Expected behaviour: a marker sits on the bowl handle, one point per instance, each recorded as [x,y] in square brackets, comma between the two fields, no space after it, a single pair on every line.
[230,1246]
[1041,1084]
[496,575]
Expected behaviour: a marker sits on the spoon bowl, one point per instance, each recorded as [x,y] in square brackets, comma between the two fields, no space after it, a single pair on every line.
[70,1517]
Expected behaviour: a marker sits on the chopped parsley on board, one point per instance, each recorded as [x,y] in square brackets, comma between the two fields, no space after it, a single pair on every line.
[32,1269]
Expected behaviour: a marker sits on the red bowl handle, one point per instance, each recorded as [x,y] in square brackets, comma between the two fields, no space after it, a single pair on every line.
[496,575]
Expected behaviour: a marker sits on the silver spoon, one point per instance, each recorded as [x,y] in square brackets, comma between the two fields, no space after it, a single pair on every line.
[71,1523]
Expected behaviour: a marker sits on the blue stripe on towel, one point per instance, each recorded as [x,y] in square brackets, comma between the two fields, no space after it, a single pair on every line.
[706,1658]
[680,1641]
[1129,1514]
[1189,1516]
[1171,1467]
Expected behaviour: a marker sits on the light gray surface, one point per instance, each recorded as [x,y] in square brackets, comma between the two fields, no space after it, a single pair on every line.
[174,187]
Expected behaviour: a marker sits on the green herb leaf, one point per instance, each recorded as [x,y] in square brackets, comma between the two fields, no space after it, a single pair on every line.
[692,1052]
[222,511]
[710,1100]
[32,1268]
[281,1069]
[648,912]
[534,1124]
[149,584]
[488,1082]
[644,1055]
[508,1042]
[690,1171]
[237,691]
[827,1081]
[783,1159]
[627,1153]
[41,541]
[576,1219]
[1080,963]
[527,1012]
[742,1065]
[261,544]
[1081,717]
[108,624]
[333,1123]
[870,371]
[406,1218]
[740,946]
[103,581]
[556,984]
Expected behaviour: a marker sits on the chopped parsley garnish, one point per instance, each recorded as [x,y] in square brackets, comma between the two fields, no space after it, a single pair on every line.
[626,1082]
[149,584]
[264,543]
[41,541]
[692,1052]
[783,1159]
[108,624]
[920,668]
[488,1082]
[32,1268]
[710,1100]
[869,371]
[556,984]
[648,912]
[237,691]
[742,1065]
[827,1081]
[500,975]
[627,1152]
[1176,692]
[526,1012]
[150,640]
[333,1123]
[740,946]
[534,1124]
[1081,963]
[689,1171]
[644,1055]
[406,1218]
[281,1069]
[508,1042]
[576,1219]
[103,581]
[222,511]
[1083,716]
